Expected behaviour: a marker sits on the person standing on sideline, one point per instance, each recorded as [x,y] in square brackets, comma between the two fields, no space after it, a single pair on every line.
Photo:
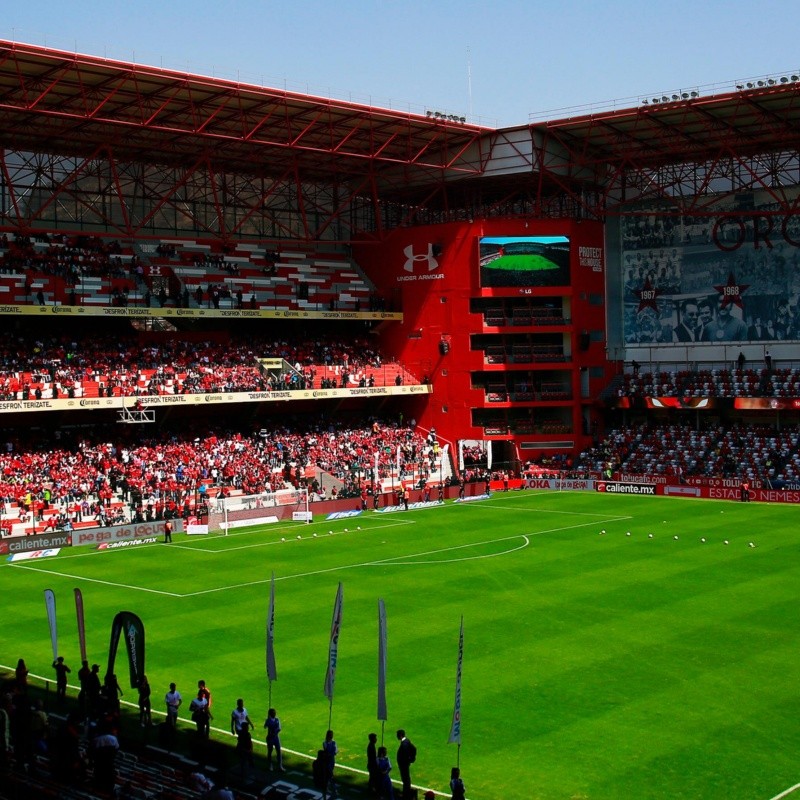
[168,531]
[144,701]
[330,750]
[62,670]
[240,719]
[384,766]
[768,359]
[273,726]
[372,764]
[173,700]
[744,492]
[457,788]
[406,755]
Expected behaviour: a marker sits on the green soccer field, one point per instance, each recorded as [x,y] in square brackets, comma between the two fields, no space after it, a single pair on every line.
[596,665]
[527,262]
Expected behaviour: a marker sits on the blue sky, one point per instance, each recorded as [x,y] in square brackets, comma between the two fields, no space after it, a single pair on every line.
[496,63]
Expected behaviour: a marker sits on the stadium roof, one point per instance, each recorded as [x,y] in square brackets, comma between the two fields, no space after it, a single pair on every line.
[59,102]
[84,106]
[746,122]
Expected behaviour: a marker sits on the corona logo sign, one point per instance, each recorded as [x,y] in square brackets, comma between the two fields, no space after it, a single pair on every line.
[412,258]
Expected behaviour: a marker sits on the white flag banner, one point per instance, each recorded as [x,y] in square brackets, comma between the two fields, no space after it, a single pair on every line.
[272,672]
[50,605]
[382,642]
[455,728]
[333,647]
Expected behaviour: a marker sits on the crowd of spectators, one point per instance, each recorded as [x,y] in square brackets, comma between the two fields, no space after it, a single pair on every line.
[113,366]
[68,257]
[784,382]
[744,452]
[155,477]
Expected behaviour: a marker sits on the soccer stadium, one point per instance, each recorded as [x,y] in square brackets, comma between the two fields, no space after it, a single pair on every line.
[482,438]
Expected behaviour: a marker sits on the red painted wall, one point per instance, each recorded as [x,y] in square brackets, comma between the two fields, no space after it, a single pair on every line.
[432,272]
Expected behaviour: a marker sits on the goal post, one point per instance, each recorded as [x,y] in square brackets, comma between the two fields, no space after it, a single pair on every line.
[243,510]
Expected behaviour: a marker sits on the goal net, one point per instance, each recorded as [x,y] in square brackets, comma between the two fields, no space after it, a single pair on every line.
[239,511]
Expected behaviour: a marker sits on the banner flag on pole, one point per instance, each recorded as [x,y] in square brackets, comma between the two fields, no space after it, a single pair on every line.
[272,672]
[50,605]
[382,661]
[81,623]
[455,728]
[461,455]
[127,623]
[333,648]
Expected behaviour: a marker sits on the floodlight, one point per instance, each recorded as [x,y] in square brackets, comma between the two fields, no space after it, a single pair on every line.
[760,83]
[655,99]
[685,95]
[771,82]
[665,99]
[784,79]
[675,97]
[695,94]
[739,86]
[795,78]
[751,85]
[429,113]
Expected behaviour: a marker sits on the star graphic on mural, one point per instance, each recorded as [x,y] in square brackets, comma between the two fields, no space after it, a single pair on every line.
[647,296]
[732,292]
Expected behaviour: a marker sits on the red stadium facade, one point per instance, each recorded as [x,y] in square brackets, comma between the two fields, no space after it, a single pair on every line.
[510,271]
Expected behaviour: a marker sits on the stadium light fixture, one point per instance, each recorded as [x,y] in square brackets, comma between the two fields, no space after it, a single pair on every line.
[665,99]
[784,79]
[675,97]
[656,100]
[750,85]
[694,94]
[795,78]
[739,86]
[760,83]
[684,95]
[771,82]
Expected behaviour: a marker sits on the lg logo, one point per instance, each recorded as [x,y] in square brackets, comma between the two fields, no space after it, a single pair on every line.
[412,257]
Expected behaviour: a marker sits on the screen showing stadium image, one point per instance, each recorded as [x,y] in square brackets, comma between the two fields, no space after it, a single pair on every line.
[524,261]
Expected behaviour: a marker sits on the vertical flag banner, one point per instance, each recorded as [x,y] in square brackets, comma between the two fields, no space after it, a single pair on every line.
[333,647]
[272,672]
[382,641]
[128,624]
[50,605]
[81,623]
[455,728]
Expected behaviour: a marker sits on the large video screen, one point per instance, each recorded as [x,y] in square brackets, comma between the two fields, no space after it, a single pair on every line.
[524,261]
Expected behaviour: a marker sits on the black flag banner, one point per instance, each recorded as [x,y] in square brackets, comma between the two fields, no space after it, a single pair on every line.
[127,624]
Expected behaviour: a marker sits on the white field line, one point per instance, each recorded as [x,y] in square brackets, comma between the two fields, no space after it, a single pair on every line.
[786,792]
[97,580]
[388,561]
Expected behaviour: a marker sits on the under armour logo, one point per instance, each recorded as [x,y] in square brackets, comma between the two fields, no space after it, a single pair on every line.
[411,257]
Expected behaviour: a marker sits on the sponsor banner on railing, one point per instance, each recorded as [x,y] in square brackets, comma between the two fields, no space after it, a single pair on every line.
[194,313]
[164,400]
[618,487]
[120,533]
[39,541]
[567,484]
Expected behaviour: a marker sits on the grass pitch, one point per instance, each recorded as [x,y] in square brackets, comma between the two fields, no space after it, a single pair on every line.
[596,665]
